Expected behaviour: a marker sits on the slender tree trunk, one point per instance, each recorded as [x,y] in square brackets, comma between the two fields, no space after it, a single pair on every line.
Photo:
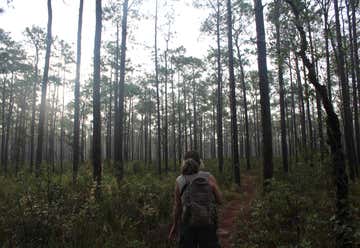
[33,109]
[280,61]
[185,117]
[195,117]
[119,139]
[173,120]
[62,129]
[77,96]
[354,86]
[293,110]
[307,100]
[3,134]
[301,107]
[146,143]
[344,230]
[96,153]
[327,49]
[357,67]
[179,127]
[132,129]
[166,148]
[39,149]
[157,95]
[247,135]
[264,92]
[219,124]
[8,124]
[234,130]
[83,136]
[348,124]
[108,125]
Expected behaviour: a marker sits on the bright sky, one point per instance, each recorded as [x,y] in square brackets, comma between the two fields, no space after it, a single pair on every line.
[24,13]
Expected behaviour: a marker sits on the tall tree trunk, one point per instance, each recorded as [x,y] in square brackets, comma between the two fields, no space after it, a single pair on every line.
[245,105]
[301,107]
[109,123]
[308,114]
[354,4]
[166,152]
[39,149]
[264,92]
[173,119]
[83,136]
[185,117]
[119,139]
[280,62]
[146,143]
[348,125]
[33,109]
[116,104]
[195,117]
[234,130]
[179,126]
[293,114]
[327,49]
[62,130]
[8,124]
[3,134]
[219,124]
[96,142]
[354,86]
[344,230]
[157,95]
[77,96]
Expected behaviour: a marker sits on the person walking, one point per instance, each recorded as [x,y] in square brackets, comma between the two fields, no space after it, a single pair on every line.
[194,212]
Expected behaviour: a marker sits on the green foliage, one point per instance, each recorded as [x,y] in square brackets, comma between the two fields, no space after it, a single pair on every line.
[296,212]
[51,212]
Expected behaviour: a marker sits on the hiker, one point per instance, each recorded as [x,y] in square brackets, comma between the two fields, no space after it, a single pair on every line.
[194,213]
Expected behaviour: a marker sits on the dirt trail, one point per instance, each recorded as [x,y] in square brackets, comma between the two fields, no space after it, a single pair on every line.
[231,210]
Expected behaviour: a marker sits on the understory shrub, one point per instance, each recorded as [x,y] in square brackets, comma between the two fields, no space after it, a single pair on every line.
[297,211]
[50,211]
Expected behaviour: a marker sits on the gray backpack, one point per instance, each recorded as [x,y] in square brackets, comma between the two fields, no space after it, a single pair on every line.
[197,197]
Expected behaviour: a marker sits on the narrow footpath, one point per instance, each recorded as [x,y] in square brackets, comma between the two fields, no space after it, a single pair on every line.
[229,213]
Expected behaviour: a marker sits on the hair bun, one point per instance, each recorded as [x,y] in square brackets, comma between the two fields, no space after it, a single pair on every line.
[190,166]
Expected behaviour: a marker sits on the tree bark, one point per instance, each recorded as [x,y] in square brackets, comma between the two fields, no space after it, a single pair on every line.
[280,62]
[264,92]
[166,148]
[245,105]
[96,153]
[219,123]
[344,230]
[77,96]
[157,96]
[348,119]
[39,149]
[119,139]
[234,130]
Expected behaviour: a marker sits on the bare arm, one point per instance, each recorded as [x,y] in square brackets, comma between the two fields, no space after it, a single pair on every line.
[177,209]
[216,190]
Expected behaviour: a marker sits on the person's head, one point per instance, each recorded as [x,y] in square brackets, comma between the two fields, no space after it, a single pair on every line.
[193,155]
[189,167]
[191,163]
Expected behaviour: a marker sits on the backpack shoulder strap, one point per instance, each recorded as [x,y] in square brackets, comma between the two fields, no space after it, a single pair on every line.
[184,181]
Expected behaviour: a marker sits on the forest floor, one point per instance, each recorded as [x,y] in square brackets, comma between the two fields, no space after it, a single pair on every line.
[241,202]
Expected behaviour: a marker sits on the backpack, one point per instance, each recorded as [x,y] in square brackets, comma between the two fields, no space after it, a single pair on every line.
[197,197]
